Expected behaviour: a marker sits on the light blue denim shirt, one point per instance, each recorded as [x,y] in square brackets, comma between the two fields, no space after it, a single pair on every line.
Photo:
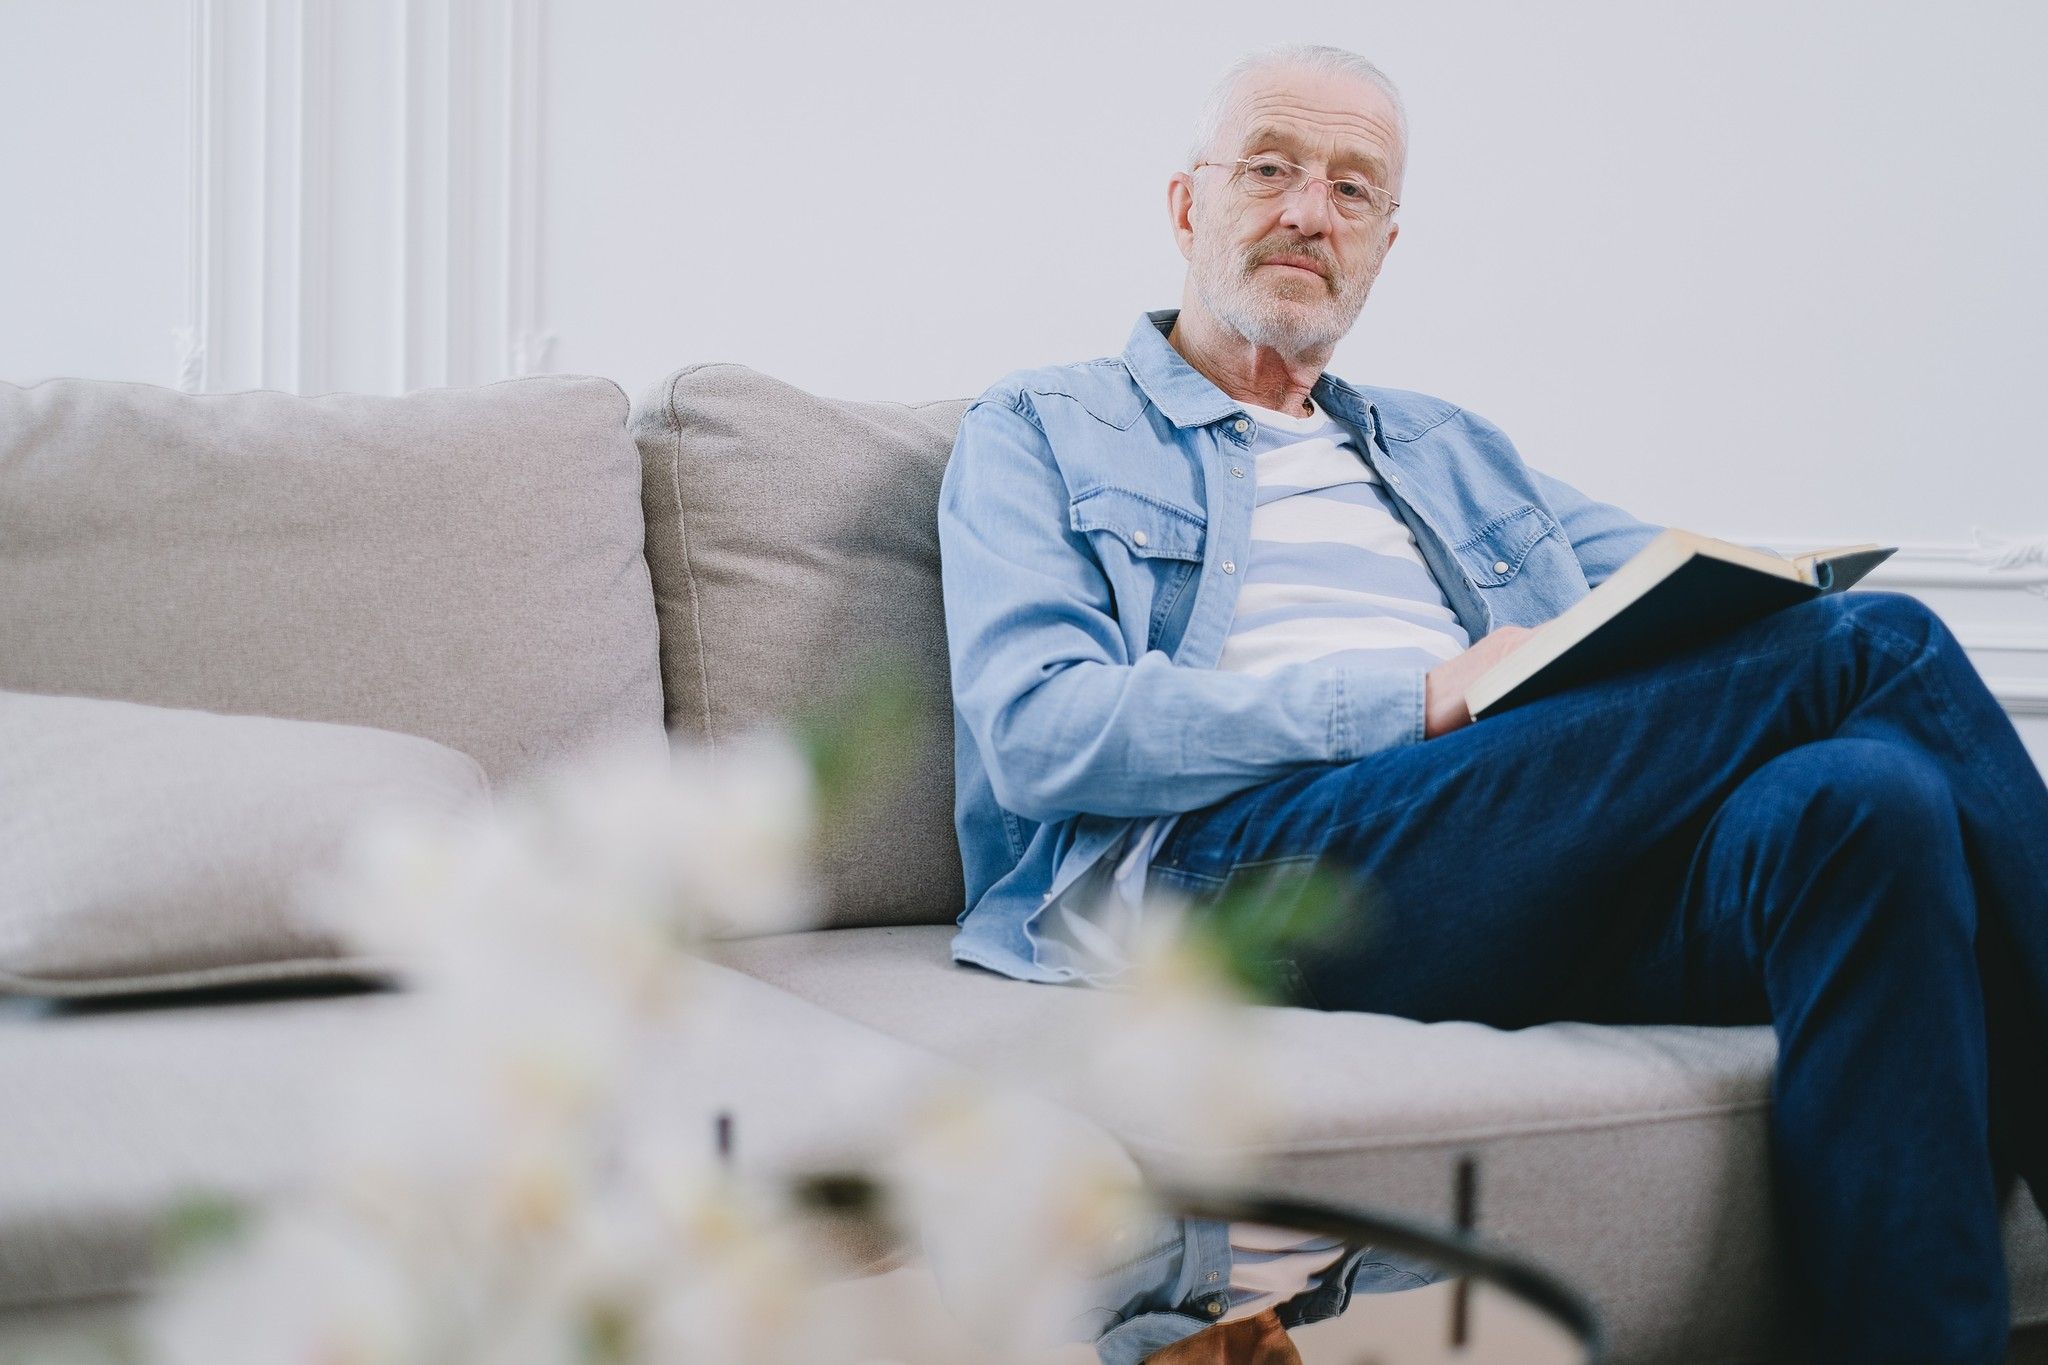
[1177,1283]
[1092,522]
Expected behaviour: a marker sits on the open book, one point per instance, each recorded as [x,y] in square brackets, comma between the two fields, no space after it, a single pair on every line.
[1678,590]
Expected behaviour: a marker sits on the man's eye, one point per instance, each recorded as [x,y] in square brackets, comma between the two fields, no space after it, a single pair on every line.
[1352,189]
[1268,169]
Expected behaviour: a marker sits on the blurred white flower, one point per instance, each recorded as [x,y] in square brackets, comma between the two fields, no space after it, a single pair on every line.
[1183,1049]
[307,1286]
[1017,1206]
[611,855]
[489,1187]
[713,845]
[519,1170]
[746,1294]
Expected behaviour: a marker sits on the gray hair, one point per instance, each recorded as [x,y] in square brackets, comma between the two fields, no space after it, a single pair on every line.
[1336,61]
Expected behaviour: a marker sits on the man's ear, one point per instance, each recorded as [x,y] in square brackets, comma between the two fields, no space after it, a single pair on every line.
[1180,207]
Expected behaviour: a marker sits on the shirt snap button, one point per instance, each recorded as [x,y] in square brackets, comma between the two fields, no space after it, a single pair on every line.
[1237,471]
[1393,478]
[1139,538]
[1229,566]
[1242,425]
[1500,566]
[1215,1308]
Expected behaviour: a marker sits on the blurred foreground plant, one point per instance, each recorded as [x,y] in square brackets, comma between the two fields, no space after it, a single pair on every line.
[504,1180]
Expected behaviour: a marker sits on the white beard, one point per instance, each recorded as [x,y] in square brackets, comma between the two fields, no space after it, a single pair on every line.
[1291,326]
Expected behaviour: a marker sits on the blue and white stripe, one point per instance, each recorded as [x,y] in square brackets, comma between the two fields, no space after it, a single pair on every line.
[1332,572]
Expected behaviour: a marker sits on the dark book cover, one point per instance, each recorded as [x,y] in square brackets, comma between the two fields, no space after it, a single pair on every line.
[1700,597]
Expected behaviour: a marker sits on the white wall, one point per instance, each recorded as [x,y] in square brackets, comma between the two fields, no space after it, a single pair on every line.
[92,249]
[1771,271]
[1676,248]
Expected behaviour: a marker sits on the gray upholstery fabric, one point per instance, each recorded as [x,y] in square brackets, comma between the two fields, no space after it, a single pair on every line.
[114,1117]
[793,538]
[147,848]
[1630,1160]
[463,564]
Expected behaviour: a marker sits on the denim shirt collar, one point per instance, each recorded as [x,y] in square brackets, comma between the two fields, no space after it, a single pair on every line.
[1189,399]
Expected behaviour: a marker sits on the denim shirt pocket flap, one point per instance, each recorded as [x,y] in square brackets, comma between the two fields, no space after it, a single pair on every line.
[1494,554]
[1148,528]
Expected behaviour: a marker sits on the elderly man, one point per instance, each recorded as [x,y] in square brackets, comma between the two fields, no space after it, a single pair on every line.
[1212,609]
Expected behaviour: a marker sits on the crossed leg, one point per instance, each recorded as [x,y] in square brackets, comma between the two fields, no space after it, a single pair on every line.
[1832,819]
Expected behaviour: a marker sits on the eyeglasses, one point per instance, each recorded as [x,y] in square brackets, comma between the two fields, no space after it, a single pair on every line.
[1265,177]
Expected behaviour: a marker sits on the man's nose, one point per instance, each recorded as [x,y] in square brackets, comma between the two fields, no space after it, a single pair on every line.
[1307,209]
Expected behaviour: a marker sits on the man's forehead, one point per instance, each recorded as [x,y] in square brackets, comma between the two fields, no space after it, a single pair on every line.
[1355,125]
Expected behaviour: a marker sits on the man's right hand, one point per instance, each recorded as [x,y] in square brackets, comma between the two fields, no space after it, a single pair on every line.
[1443,702]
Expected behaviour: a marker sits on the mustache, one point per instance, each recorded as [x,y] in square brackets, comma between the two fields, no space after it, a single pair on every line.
[1267,251]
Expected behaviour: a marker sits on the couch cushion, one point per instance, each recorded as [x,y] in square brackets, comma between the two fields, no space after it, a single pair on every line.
[792,539]
[1630,1160]
[114,1117]
[463,564]
[147,848]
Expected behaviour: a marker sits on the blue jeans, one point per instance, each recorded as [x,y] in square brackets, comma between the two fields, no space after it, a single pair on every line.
[1822,820]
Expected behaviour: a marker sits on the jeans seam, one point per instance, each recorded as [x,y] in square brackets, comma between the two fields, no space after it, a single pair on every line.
[1286,860]
[1177,836]
[1187,874]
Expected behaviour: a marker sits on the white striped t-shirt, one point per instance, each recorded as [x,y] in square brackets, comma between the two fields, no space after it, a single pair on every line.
[1332,571]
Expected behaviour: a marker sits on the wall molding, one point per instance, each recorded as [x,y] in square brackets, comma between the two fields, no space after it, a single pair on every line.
[259,215]
[1989,561]
[2021,698]
[439,238]
[1992,591]
[205,62]
[528,344]
[468,285]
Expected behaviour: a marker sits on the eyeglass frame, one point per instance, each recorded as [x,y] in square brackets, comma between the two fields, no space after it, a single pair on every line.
[1237,168]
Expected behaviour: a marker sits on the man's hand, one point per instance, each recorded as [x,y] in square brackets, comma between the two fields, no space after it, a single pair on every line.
[1443,701]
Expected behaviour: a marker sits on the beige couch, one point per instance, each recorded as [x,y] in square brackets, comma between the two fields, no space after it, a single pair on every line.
[519,571]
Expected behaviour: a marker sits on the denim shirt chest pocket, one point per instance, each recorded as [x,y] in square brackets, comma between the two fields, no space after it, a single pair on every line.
[1506,560]
[1150,550]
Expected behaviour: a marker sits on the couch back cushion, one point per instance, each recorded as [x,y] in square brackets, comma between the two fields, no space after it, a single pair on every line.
[460,564]
[794,541]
